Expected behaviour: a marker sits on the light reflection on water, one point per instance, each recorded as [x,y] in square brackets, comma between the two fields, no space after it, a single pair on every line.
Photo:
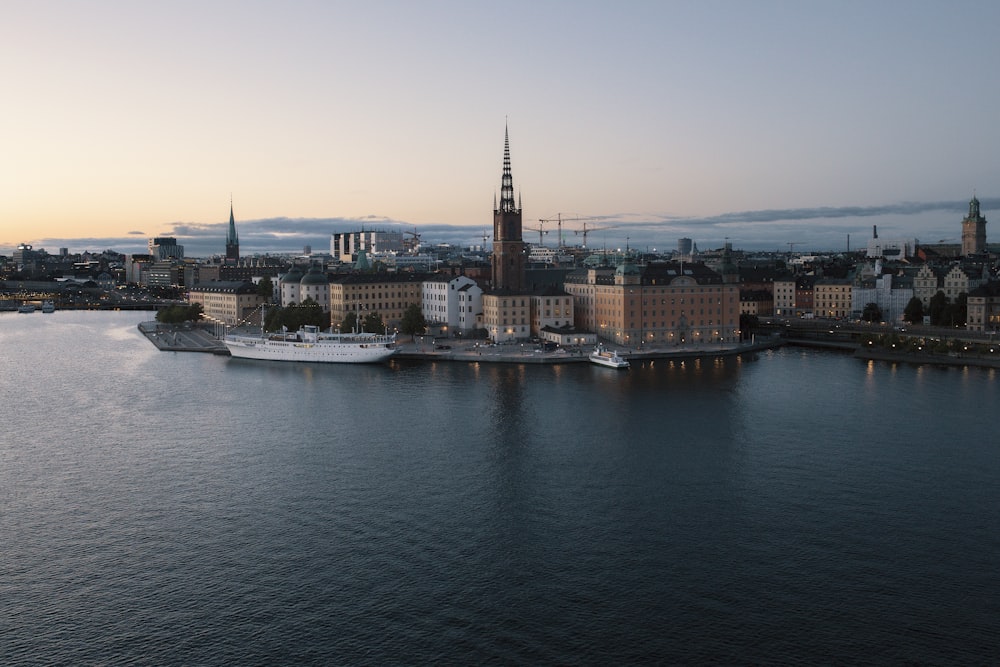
[167,507]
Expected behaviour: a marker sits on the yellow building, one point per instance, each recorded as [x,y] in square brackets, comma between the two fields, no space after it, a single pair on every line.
[388,294]
[662,303]
[832,297]
[507,317]
[230,302]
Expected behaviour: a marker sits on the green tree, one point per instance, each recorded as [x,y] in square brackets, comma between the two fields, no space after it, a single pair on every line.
[872,313]
[265,288]
[295,316]
[350,323]
[914,311]
[413,321]
[178,313]
[373,323]
[938,308]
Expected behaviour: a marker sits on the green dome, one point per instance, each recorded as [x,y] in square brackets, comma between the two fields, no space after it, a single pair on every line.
[315,277]
[293,276]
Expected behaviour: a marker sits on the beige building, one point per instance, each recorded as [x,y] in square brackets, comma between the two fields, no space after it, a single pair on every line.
[832,297]
[388,294]
[507,317]
[983,308]
[663,303]
[231,303]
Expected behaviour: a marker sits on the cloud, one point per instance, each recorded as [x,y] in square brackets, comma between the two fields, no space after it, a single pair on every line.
[817,228]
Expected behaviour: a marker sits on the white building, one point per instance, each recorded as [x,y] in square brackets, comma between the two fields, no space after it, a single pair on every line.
[453,303]
[891,298]
[344,246]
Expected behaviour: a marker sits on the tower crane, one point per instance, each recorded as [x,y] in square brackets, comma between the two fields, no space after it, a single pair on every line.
[538,229]
[559,220]
[413,243]
[586,230]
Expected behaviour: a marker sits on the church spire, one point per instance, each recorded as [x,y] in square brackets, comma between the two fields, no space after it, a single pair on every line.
[507,181]
[232,238]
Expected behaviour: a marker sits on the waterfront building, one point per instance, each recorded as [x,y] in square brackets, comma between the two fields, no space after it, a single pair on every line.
[388,294]
[289,283]
[451,304]
[230,302]
[507,306]
[983,308]
[551,309]
[784,295]
[232,240]
[165,273]
[889,292]
[832,297]
[661,303]
[962,279]
[974,230]
[927,282]
[315,285]
[757,302]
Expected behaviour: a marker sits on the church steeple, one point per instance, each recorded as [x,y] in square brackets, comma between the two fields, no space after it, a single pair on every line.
[232,239]
[508,247]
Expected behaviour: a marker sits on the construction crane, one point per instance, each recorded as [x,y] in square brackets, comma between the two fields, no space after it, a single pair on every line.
[791,246]
[540,231]
[587,230]
[413,243]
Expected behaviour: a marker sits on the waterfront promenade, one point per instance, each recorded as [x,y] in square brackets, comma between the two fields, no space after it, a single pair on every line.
[181,338]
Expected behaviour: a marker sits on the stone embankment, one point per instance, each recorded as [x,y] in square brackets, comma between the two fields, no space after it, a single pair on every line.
[181,338]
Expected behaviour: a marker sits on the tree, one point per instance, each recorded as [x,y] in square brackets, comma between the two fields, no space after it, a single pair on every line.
[872,313]
[373,323]
[294,317]
[178,313]
[914,311]
[350,323]
[413,321]
[957,312]
[939,309]
[265,288]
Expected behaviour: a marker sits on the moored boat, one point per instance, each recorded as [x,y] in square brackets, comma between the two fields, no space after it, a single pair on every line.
[26,308]
[610,358]
[310,344]
[48,307]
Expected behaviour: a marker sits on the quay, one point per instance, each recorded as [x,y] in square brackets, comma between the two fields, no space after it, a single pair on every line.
[181,338]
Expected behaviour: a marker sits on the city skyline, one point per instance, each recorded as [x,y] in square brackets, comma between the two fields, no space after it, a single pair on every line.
[766,125]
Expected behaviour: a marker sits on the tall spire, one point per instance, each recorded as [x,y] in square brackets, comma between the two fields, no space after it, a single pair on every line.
[232,238]
[506,182]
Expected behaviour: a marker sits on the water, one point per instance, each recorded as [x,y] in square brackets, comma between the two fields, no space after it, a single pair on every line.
[180,508]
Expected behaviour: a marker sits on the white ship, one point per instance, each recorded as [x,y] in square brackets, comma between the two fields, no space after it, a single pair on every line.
[310,344]
[605,357]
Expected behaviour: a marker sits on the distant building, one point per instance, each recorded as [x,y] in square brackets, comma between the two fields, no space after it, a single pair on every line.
[832,297]
[983,308]
[388,294]
[345,246]
[165,247]
[973,230]
[232,240]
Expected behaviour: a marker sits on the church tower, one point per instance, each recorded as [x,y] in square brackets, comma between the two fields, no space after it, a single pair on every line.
[508,246]
[974,230]
[232,240]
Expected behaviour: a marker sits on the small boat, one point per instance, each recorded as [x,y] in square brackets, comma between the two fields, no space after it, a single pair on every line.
[26,308]
[610,358]
[48,307]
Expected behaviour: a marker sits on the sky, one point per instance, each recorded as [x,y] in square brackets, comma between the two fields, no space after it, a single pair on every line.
[768,124]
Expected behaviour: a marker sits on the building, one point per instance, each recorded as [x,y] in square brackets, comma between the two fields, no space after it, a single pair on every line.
[551,309]
[507,307]
[983,308]
[232,303]
[661,303]
[973,230]
[315,286]
[508,259]
[890,293]
[784,295]
[165,247]
[388,294]
[232,240]
[345,246]
[451,305]
[757,302]
[927,282]
[832,297]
